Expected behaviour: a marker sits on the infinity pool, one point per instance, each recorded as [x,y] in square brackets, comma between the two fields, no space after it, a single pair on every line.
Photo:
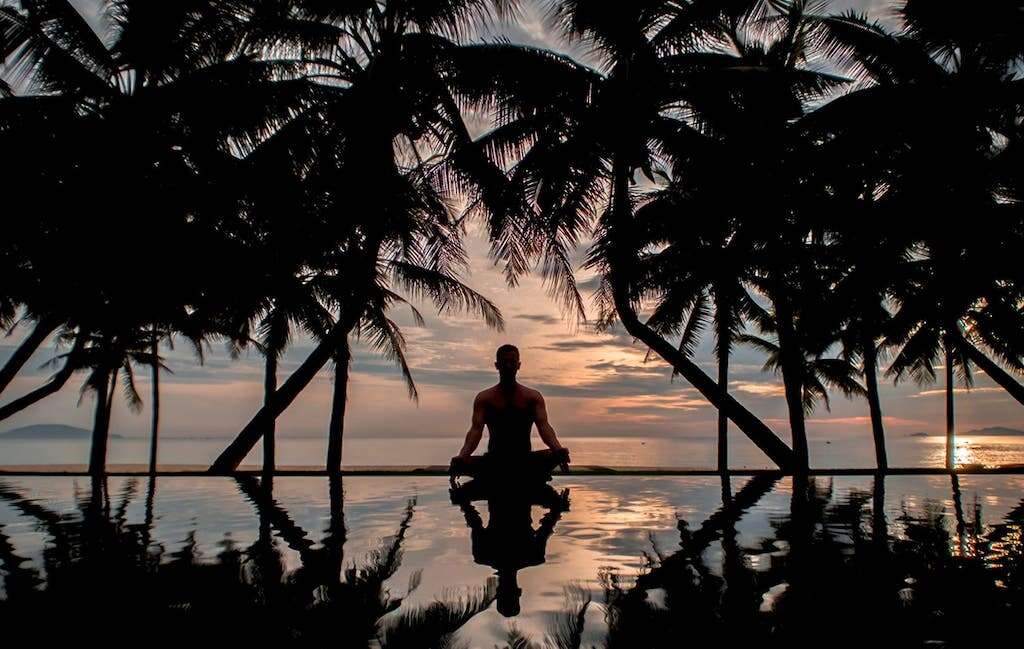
[584,561]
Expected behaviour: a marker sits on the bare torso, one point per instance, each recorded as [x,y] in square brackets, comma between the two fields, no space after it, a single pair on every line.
[510,413]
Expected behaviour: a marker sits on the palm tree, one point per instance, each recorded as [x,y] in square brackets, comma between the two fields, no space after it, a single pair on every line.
[868,246]
[392,55]
[419,274]
[155,365]
[44,326]
[112,355]
[575,136]
[145,104]
[875,260]
[339,404]
[995,325]
[819,371]
[142,106]
[165,335]
[701,270]
[752,111]
[70,365]
[294,301]
[943,80]
[860,340]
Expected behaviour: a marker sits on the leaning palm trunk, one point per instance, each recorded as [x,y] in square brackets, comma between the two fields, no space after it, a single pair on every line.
[874,405]
[51,387]
[155,432]
[336,428]
[279,401]
[283,397]
[992,369]
[44,327]
[619,260]
[950,424]
[270,434]
[101,422]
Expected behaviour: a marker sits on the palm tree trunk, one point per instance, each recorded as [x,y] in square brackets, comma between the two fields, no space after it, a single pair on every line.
[44,327]
[54,385]
[792,379]
[101,423]
[336,428]
[874,405]
[723,384]
[283,397]
[619,260]
[793,387]
[992,369]
[270,432]
[155,432]
[950,432]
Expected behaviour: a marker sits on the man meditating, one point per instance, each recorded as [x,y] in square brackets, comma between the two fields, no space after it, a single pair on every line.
[509,410]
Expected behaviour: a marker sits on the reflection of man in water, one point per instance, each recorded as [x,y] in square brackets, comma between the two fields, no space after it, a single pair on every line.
[509,411]
[508,543]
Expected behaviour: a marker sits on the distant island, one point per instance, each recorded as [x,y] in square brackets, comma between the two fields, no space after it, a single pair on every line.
[996,431]
[50,431]
[991,431]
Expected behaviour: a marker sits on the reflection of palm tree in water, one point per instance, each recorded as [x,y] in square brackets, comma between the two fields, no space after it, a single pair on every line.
[508,542]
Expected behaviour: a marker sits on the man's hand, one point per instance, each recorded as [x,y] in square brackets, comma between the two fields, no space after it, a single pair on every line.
[564,453]
[454,467]
[456,463]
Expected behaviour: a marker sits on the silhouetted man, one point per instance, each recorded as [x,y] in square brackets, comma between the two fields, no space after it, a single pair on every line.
[509,410]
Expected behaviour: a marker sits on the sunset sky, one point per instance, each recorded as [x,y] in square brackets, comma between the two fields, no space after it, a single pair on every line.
[595,384]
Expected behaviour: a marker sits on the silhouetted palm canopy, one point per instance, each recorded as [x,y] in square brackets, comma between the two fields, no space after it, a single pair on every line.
[263,169]
[383,153]
[661,104]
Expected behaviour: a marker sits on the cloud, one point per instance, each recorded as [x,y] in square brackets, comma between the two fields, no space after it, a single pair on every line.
[539,318]
[645,414]
[758,389]
[942,391]
[621,384]
[866,421]
[590,285]
[574,345]
[658,404]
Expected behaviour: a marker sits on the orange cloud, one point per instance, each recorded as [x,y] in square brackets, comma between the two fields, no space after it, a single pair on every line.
[758,389]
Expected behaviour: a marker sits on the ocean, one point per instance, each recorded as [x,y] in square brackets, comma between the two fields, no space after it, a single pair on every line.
[684,453]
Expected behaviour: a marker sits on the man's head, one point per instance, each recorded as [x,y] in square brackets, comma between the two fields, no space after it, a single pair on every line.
[506,361]
[507,593]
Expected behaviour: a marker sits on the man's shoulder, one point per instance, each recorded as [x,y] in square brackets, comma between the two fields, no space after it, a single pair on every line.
[486,395]
[532,394]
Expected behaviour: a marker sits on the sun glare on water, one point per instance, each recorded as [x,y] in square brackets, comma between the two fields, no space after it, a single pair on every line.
[984,451]
[964,453]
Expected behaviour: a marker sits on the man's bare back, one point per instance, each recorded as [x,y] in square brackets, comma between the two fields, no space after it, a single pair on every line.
[509,411]
[509,415]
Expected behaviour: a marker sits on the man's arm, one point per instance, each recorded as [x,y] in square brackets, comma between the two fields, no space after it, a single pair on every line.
[547,433]
[476,428]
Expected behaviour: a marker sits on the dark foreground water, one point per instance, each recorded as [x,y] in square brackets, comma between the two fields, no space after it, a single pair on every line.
[600,561]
